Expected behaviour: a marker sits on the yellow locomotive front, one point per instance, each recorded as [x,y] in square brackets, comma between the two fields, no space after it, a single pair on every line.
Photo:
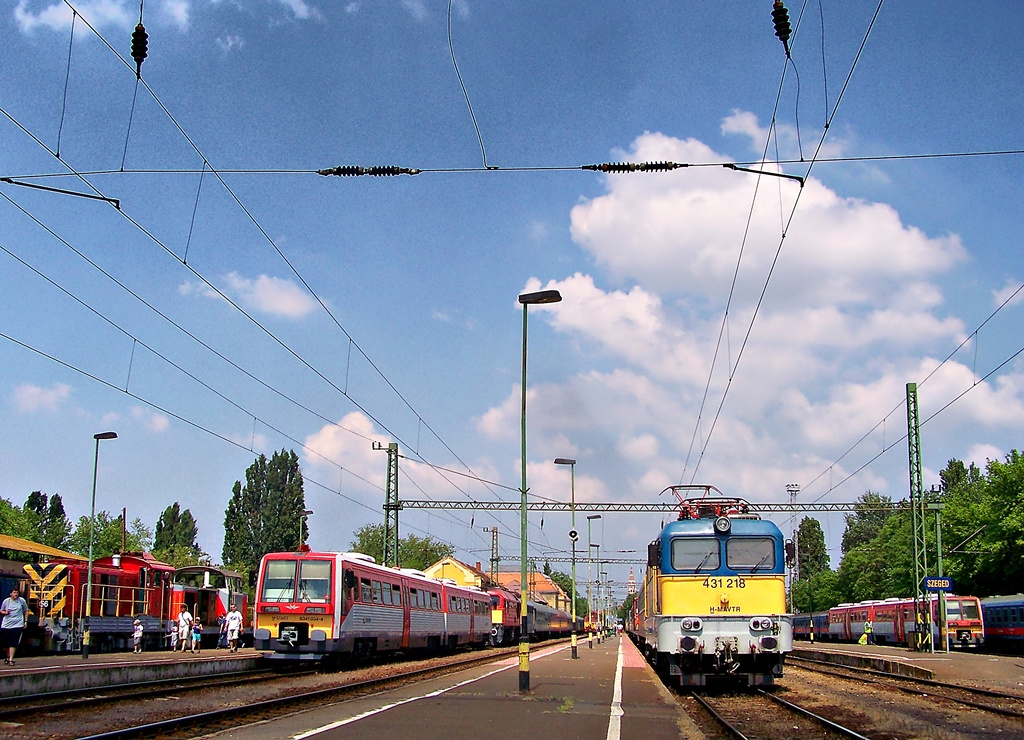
[713,602]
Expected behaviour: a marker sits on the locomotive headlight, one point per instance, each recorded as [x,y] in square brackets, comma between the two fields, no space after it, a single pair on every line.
[691,624]
[723,524]
[760,623]
[687,624]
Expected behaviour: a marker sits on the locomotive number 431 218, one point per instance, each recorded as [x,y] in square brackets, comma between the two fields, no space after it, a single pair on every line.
[724,583]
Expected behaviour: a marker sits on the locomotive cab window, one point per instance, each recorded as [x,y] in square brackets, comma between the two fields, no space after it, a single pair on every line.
[750,553]
[970,609]
[315,580]
[279,581]
[696,554]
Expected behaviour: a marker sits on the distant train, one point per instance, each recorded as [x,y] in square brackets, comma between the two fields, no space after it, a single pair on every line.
[1004,622]
[323,605]
[894,622]
[125,587]
[713,601]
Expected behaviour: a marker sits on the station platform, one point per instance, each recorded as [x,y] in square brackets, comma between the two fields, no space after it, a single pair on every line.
[966,667]
[610,692]
[48,673]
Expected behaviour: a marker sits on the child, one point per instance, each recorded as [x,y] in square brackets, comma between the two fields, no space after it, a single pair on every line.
[137,636]
[197,636]
[173,635]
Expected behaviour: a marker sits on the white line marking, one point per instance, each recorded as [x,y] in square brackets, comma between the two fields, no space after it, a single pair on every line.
[369,713]
[615,716]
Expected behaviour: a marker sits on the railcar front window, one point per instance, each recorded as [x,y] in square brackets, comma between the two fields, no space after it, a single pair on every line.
[953,609]
[750,553]
[695,553]
[315,580]
[970,610]
[279,581]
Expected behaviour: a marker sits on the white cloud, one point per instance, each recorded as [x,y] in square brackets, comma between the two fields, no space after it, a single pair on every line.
[301,9]
[1012,292]
[29,398]
[416,8]
[151,420]
[56,16]
[680,233]
[352,8]
[230,42]
[346,444]
[980,454]
[176,12]
[271,295]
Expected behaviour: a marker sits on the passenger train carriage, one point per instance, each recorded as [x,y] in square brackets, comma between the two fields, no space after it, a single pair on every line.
[313,605]
[1004,622]
[893,621]
[713,600]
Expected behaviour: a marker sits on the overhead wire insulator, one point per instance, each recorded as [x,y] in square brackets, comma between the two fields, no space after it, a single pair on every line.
[348,170]
[780,16]
[612,167]
[355,170]
[655,166]
[140,47]
[390,171]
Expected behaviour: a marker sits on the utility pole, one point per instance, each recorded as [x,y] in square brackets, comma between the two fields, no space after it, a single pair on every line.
[495,558]
[922,608]
[391,506]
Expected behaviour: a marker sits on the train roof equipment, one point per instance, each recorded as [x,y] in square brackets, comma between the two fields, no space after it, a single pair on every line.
[707,506]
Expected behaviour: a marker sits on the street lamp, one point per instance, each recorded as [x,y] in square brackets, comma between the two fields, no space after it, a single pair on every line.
[590,562]
[526,299]
[573,536]
[92,529]
[302,519]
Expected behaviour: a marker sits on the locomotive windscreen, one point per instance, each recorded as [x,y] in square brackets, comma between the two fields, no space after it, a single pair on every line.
[695,553]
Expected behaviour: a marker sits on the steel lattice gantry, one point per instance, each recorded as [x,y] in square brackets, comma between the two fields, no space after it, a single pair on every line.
[666,506]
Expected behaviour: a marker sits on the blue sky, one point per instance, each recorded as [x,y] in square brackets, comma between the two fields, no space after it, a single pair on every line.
[886,268]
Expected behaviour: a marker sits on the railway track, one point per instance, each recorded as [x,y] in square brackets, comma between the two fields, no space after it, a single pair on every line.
[20,706]
[999,702]
[234,716]
[763,715]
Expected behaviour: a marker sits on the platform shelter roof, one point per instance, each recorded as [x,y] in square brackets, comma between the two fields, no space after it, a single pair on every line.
[17,544]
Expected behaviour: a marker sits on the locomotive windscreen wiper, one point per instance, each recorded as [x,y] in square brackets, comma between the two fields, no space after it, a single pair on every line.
[706,557]
[760,562]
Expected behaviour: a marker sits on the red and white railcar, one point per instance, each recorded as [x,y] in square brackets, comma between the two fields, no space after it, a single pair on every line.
[894,621]
[311,605]
[505,616]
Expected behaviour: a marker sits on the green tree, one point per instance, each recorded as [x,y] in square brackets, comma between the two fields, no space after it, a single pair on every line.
[813,555]
[175,537]
[413,552]
[265,514]
[564,582]
[15,522]
[818,593]
[866,521]
[107,536]
[48,519]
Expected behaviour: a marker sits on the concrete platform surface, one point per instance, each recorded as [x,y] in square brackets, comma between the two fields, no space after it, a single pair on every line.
[610,692]
[967,667]
[38,674]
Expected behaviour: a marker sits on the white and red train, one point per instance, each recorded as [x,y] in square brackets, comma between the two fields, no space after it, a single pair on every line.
[319,605]
[894,622]
[125,587]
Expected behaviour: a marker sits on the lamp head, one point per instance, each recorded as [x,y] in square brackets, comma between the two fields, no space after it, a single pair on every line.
[564,461]
[105,435]
[543,296]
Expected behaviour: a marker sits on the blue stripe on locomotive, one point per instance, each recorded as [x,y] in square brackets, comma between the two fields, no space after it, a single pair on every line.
[706,528]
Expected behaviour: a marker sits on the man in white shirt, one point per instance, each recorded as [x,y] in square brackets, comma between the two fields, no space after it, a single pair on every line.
[233,619]
[184,628]
[15,613]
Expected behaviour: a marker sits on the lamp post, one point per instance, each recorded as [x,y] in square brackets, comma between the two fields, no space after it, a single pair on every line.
[92,530]
[573,536]
[590,562]
[302,519]
[526,299]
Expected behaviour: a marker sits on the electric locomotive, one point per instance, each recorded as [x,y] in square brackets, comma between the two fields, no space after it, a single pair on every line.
[713,600]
